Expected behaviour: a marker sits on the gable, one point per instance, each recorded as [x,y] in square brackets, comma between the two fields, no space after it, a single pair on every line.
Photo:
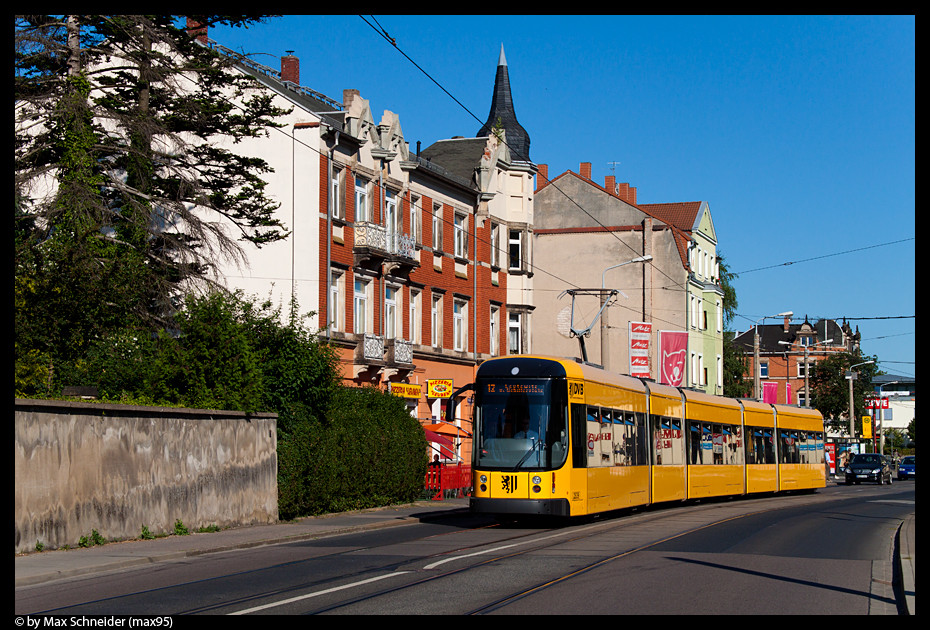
[704,224]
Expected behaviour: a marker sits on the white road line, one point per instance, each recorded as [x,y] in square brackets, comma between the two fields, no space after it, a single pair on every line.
[317,594]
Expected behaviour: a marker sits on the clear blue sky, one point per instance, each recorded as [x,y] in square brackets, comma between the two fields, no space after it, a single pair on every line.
[799,131]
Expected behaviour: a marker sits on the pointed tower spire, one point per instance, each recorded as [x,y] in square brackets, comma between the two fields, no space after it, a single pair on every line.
[502,110]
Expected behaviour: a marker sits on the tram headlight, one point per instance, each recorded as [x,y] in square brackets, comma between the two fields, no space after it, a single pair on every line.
[483,478]
[537,479]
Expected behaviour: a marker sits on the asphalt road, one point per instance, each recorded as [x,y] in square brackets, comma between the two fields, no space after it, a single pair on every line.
[828,552]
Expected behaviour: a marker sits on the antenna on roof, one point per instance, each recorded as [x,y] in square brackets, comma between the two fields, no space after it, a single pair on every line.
[612,165]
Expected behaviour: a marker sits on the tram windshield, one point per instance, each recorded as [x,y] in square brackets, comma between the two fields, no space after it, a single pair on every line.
[520,425]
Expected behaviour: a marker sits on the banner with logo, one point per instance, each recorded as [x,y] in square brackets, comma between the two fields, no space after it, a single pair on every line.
[673,356]
[640,338]
[439,388]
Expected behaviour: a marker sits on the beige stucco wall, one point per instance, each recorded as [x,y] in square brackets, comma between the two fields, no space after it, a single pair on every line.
[580,258]
[114,468]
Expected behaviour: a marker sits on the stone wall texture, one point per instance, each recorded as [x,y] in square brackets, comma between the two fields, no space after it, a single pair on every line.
[83,466]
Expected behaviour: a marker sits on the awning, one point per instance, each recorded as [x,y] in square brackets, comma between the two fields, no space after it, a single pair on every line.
[432,436]
[446,428]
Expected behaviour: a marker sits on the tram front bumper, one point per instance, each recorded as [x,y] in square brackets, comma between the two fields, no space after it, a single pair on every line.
[543,507]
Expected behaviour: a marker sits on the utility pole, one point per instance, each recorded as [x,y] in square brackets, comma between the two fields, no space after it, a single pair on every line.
[851,376]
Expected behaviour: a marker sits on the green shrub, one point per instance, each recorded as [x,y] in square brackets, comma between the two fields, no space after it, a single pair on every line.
[369,452]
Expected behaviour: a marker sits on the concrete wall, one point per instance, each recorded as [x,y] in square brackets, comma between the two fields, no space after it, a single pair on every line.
[114,468]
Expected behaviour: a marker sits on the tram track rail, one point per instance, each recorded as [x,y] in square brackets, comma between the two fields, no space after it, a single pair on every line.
[590,530]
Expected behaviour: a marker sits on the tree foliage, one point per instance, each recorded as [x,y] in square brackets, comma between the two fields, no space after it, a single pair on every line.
[126,189]
[830,389]
[735,366]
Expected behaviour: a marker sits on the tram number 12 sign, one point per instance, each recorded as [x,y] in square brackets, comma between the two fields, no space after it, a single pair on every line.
[640,338]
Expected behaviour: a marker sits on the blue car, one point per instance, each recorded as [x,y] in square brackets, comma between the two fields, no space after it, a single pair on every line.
[906,468]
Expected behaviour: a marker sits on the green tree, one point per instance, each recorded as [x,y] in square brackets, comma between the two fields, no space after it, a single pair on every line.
[123,192]
[735,367]
[830,389]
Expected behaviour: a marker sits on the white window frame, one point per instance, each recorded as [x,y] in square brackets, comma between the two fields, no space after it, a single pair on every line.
[336,190]
[362,200]
[360,302]
[416,322]
[391,311]
[336,306]
[437,227]
[514,337]
[460,325]
[460,232]
[436,320]
[415,226]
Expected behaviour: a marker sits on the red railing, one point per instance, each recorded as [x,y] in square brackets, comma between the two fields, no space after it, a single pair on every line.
[448,479]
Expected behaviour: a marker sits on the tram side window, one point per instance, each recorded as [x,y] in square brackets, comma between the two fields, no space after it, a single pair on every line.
[623,438]
[592,438]
[629,438]
[712,443]
[818,448]
[639,421]
[760,448]
[667,441]
[788,446]
[604,440]
[732,445]
[697,442]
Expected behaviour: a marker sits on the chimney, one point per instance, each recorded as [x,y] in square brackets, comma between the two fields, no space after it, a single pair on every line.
[787,321]
[610,183]
[632,196]
[542,176]
[196,30]
[348,95]
[623,191]
[290,68]
[586,170]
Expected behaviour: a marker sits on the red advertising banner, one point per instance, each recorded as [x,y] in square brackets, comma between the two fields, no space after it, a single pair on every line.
[877,403]
[770,393]
[673,350]
[640,338]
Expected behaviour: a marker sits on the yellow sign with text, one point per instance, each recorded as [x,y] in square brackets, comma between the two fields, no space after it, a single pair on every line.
[866,426]
[439,388]
[405,390]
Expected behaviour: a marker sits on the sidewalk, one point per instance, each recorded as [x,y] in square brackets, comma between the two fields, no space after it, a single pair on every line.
[36,568]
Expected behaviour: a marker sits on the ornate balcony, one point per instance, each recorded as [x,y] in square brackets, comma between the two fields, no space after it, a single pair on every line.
[370,349]
[400,353]
[374,244]
[375,355]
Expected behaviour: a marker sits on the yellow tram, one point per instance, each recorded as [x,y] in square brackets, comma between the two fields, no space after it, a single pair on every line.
[559,437]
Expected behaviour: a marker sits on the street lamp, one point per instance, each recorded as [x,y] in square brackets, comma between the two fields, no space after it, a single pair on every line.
[851,376]
[807,366]
[605,345]
[756,373]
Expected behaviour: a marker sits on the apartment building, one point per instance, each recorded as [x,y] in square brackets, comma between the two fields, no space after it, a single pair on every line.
[403,259]
[661,260]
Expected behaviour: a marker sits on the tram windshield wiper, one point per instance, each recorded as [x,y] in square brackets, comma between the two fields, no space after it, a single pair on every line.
[536,445]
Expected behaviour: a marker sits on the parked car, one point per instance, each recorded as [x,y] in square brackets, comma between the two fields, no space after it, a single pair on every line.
[906,467]
[868,467]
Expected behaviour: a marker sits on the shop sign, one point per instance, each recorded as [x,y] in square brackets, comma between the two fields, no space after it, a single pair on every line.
[405,390]
[439,388]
